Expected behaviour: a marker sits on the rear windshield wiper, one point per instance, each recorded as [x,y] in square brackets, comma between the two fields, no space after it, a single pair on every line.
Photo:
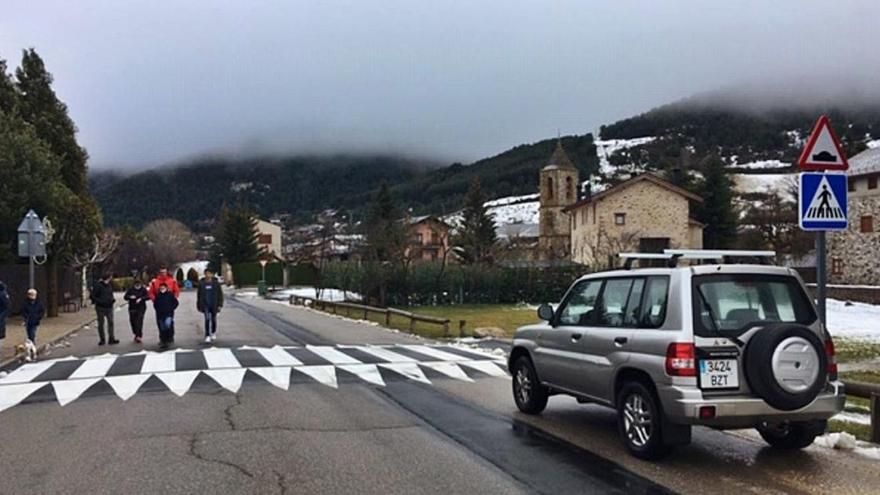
[711,312]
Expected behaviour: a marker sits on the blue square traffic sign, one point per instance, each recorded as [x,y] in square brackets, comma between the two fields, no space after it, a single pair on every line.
[822,201]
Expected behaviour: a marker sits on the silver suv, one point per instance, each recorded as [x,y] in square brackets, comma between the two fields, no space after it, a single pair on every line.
[721,345]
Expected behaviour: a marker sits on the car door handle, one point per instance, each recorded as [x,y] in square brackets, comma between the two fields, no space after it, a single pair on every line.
[576,336]
[620,341]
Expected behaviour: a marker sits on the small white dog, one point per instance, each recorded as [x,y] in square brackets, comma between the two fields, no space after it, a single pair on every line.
[26,352]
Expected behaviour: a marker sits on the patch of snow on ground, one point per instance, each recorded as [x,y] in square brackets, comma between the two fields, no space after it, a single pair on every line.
[761,164]
[511,200]
[873,144]
[749,183]
[508,210]
[607,147]
[862,419]
[857,321]
[334,295]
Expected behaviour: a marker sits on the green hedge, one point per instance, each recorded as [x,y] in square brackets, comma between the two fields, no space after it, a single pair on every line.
[245,274]
[303,274]
[430,283]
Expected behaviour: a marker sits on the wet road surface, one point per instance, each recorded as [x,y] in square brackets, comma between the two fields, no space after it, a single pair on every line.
[449,436]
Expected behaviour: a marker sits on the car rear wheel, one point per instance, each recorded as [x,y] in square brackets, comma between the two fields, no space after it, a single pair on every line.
[528,393]
[639,421]
[790,436]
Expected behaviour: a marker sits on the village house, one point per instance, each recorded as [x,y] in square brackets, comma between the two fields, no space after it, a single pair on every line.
[854,253]
[428,239]
[646,213]
[269,238]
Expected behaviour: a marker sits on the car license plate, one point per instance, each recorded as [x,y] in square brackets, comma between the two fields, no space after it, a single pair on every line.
[719,373]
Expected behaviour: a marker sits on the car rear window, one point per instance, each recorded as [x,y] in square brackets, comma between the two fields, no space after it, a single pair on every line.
[741,301]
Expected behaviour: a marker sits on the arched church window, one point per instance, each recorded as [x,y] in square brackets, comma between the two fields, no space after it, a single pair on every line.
[549,187]
[569,188]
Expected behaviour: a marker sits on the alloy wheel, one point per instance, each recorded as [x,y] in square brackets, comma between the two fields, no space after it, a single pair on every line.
[637,420]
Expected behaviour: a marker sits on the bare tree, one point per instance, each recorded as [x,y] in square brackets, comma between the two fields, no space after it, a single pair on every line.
[103,247]
[600,254]
[172,241]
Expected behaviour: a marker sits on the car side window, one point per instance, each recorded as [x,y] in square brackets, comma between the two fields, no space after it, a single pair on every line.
[578,308]
[612,306]
[634,304]
[653,312]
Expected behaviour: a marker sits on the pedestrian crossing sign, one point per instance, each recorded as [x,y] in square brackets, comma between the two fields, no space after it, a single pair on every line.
[822,201]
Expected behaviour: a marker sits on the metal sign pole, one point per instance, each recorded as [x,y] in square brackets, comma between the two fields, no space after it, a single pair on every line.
[31,228]
[821,274]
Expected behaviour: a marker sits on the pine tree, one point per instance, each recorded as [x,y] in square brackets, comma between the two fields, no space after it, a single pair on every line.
[236,237]
[717,210]
[42,109]
[476,236]
[385,232]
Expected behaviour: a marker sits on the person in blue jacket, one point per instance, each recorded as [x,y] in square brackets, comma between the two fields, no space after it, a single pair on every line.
[32,311]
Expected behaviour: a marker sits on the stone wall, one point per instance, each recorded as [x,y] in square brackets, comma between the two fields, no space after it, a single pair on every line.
[651,211]
[854,256]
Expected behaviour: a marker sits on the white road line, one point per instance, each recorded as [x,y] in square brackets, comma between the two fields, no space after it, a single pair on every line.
[26,372]
[434,353]
[278,357]
[219,357]
[384,353]
[94,367]
[332,355]
[158,362]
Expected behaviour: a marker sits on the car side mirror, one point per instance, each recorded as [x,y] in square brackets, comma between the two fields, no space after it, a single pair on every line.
[545,312]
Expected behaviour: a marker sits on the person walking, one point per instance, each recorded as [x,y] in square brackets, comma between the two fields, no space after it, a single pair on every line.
[5,304]
[209,301]
[170,282]
[137,297]
[165,303]
[32,312]
[102,298]
[164,278]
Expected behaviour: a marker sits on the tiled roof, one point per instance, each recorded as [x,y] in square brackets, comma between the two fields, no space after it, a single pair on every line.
[559,158]
[866,162]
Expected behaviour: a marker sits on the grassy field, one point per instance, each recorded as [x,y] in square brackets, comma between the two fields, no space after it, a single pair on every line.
[505,316]
[854,350]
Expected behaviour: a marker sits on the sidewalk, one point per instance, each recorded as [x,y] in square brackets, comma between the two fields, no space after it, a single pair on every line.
[50,331]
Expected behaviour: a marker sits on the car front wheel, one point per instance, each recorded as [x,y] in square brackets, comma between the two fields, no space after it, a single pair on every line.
[639,420]
[528,393]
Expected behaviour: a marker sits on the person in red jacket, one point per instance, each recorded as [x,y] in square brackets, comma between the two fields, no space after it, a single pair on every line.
[163,278]
[171,283]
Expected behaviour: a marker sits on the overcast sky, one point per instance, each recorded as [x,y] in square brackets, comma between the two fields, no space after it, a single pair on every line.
[149,82]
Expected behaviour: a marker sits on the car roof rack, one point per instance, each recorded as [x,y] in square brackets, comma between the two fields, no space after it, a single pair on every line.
[725,256]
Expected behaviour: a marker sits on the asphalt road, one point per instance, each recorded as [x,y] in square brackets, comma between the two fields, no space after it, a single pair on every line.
[447,436]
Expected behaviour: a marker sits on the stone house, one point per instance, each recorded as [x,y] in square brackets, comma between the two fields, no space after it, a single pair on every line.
[558,186]
[428,239]
[269,238]
[854,254]
[646,213]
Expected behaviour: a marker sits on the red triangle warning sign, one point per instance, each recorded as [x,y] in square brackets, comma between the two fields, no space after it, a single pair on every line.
[823,150]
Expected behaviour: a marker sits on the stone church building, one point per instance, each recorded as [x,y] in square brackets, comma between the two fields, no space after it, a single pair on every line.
[645,214]
[854,254]
[558,182]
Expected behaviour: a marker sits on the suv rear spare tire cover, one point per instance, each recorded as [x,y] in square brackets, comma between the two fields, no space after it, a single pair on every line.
[786,365]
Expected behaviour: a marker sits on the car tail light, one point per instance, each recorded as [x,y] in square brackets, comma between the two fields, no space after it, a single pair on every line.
[707,412]
[680,359]
[832,360]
